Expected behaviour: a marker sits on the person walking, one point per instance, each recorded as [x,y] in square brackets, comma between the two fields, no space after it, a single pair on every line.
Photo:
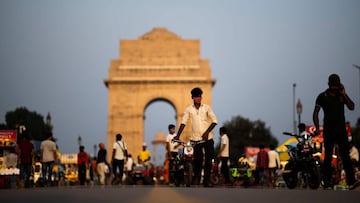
[82,162]
[333,101]
[203,121]
[119,155]
[129,165]
[48,157]
[101,163]
[172,152]
[224,154]
[262,164]
[274,164]
[26,156]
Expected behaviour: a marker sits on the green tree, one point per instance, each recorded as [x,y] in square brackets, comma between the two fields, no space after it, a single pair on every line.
[33,122]
[243,132]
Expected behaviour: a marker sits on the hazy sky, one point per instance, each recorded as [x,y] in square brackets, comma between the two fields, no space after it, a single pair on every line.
[54,56]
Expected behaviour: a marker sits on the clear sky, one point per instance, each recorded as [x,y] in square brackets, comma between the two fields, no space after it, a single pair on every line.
[54,56]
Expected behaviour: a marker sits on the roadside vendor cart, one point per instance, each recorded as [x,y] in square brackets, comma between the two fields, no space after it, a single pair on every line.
[8,158]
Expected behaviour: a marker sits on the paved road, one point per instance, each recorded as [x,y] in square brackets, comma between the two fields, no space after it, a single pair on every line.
[164,194]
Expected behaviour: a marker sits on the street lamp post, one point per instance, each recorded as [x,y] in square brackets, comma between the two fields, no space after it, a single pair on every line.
[79,140]
[299,110]
[21,129]
[293,107]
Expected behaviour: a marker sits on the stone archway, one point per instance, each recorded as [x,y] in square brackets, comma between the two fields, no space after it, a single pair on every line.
[157,65]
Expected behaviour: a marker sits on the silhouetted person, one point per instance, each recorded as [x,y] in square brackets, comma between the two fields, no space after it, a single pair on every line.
[332,101]
[83,161]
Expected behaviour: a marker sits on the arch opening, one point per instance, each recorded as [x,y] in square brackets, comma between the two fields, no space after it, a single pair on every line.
[158,114]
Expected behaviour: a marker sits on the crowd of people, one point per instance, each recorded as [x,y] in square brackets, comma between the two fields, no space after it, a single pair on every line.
[202,120]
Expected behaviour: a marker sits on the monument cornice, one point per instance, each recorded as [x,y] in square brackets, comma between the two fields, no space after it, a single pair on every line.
[157,67]
[159,81]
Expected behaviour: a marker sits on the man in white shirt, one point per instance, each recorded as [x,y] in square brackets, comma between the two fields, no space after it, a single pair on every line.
[172,152]
[224,154]
[274,164]
[48,157]
[203,121]
[118,156]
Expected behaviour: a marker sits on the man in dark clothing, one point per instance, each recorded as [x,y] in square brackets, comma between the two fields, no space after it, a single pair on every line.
[332,101]
[101,163]
[83,160]
[262,164]
[26,155]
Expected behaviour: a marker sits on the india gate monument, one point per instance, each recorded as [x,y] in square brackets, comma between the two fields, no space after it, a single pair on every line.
[158,66]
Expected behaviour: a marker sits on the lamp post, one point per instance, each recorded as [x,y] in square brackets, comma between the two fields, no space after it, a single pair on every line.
[79,140]
[22,128]
[293,107]
[299,109]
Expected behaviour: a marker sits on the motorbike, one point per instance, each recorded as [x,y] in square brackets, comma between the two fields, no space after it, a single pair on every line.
[303,165]
[184,163]
[241,174]
[138,176]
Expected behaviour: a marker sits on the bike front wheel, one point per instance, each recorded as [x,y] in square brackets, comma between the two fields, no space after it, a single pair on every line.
[314,178]
[188,176]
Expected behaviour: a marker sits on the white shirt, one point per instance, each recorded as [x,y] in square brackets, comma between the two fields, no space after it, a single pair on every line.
[48,147]
[273,159]
[354,153]
[172,145]
[119,147]
[224,141]
[200,119]
[129,164]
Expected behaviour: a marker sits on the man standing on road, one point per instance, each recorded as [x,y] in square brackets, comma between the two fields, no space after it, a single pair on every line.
[118,159]
[203,121]
[48,157]
[101,163]
[332,101]
[26,157]
[224,154]
[274,164]
[172,152]
[82,162]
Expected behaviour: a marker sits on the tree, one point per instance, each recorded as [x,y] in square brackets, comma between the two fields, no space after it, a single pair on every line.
[242,133]
[33,122]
